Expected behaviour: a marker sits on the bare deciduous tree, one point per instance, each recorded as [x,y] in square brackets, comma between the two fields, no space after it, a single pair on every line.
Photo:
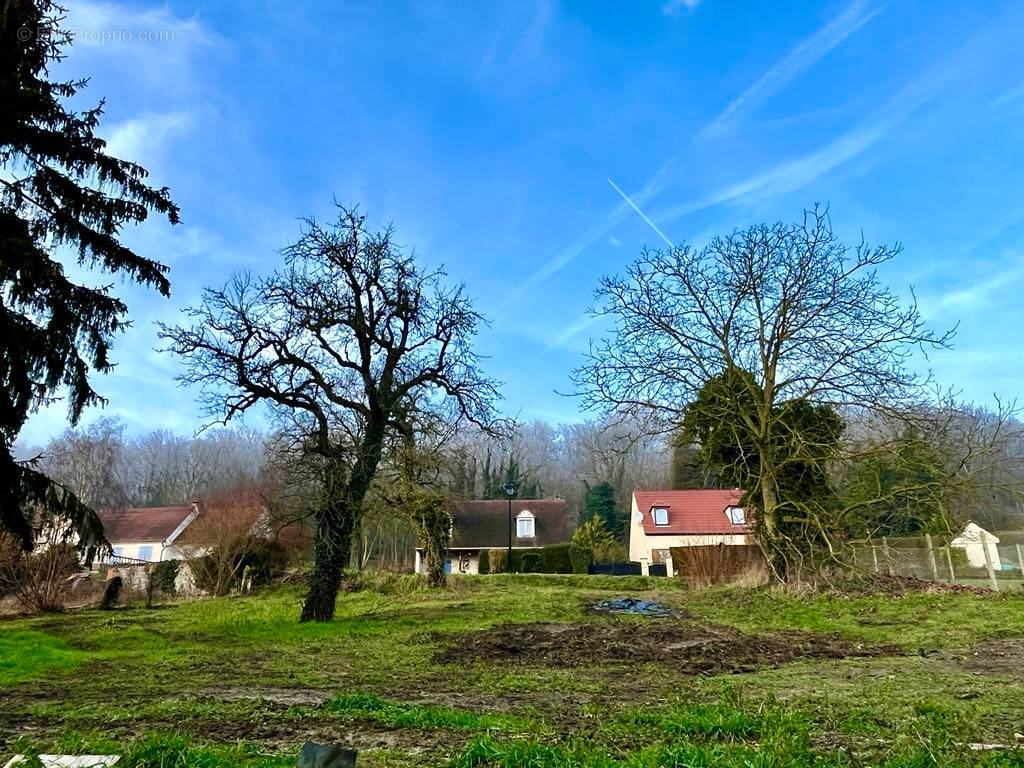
[339,343]
[792,305]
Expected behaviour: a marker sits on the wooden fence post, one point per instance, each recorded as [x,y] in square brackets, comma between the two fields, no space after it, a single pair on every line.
[988,562]
[888,556]
[874,556]
[949,562]
[931,557]
[1020,559]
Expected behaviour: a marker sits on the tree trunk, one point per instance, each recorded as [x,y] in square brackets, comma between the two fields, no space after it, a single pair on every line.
[769,524]
[332,550]
[336,524]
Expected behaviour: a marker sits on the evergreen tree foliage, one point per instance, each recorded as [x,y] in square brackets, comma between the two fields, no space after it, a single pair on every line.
[806,440]
[60,193]
[600,503]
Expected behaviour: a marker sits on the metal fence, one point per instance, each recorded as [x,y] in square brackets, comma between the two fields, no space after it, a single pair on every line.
[984,562]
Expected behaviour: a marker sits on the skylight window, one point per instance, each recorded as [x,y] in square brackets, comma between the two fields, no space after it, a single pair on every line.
[736,515]
[660,515]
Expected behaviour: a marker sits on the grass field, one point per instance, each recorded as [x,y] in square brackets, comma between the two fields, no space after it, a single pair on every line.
[911,680]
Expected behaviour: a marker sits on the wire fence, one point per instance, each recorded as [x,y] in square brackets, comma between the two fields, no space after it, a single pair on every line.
[975,557]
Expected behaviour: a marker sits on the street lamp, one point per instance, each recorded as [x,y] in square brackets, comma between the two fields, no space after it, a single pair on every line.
[510,491]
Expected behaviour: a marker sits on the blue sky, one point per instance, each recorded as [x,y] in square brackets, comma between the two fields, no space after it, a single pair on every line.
[488,133]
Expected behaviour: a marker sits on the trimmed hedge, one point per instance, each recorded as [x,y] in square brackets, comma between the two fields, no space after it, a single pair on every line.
[531,562]
[580,558]
[556,559]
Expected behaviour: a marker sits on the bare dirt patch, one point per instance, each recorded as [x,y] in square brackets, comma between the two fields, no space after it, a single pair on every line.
[692,648]
[996,656]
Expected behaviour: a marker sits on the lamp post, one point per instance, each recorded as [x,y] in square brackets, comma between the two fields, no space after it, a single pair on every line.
[510,491]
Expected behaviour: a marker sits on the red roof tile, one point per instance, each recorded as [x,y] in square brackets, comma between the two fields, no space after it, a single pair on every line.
[694,512]
[142,523]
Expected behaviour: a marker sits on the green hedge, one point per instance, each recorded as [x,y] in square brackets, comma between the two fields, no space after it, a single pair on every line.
[551,559]
[556,559]
[531,562]
[580,558]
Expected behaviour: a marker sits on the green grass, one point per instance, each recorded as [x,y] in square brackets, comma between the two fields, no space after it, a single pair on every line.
[27,654]
[208,682]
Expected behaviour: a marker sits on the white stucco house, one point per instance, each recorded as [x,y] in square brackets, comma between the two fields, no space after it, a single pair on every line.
[661,520]
[147,533]
[974,540]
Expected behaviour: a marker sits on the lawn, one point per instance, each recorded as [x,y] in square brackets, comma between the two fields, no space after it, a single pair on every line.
[415,677]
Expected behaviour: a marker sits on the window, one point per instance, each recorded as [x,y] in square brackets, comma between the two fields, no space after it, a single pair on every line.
[145,553]
[736,515]
[660,515]
[118,551]
[525,525]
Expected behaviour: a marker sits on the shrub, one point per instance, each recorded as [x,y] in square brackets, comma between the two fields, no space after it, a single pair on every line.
[555,558]
[600,541]
[163,575]
[580,558]
[498,560]
[483,566]
[220,570]
[111,593]
[39,580]
[531,562]
[267,559]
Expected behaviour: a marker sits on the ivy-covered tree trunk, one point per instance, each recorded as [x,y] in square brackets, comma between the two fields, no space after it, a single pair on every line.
[435,537]
[331,552]
[336,524]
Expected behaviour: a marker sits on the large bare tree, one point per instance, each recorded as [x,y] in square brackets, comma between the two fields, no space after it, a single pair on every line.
[341,343]
[805,315]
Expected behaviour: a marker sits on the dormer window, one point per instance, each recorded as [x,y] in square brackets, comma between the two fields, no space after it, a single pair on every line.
[736,515]
[660,515]
[526,525]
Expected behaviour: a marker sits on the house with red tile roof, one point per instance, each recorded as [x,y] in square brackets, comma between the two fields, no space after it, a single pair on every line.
[147,533]
[664,519]
[480,525]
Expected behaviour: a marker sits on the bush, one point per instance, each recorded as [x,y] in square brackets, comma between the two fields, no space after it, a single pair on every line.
[600,541]
[164,574]
[580,558]
[498,560]
[530,562]
[555,558]
[221,569]
[267,560]
[39,580]
[483,566]
[111,593]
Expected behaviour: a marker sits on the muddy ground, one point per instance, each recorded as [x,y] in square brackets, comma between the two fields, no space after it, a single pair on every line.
[691,647]
[995,656]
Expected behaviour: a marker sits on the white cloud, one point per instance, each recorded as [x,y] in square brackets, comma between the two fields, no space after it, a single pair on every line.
[795,174]
[973,296]
[808,52]
[1014,94]
[675,7]
[798,60]
[147,48]
[145,139]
